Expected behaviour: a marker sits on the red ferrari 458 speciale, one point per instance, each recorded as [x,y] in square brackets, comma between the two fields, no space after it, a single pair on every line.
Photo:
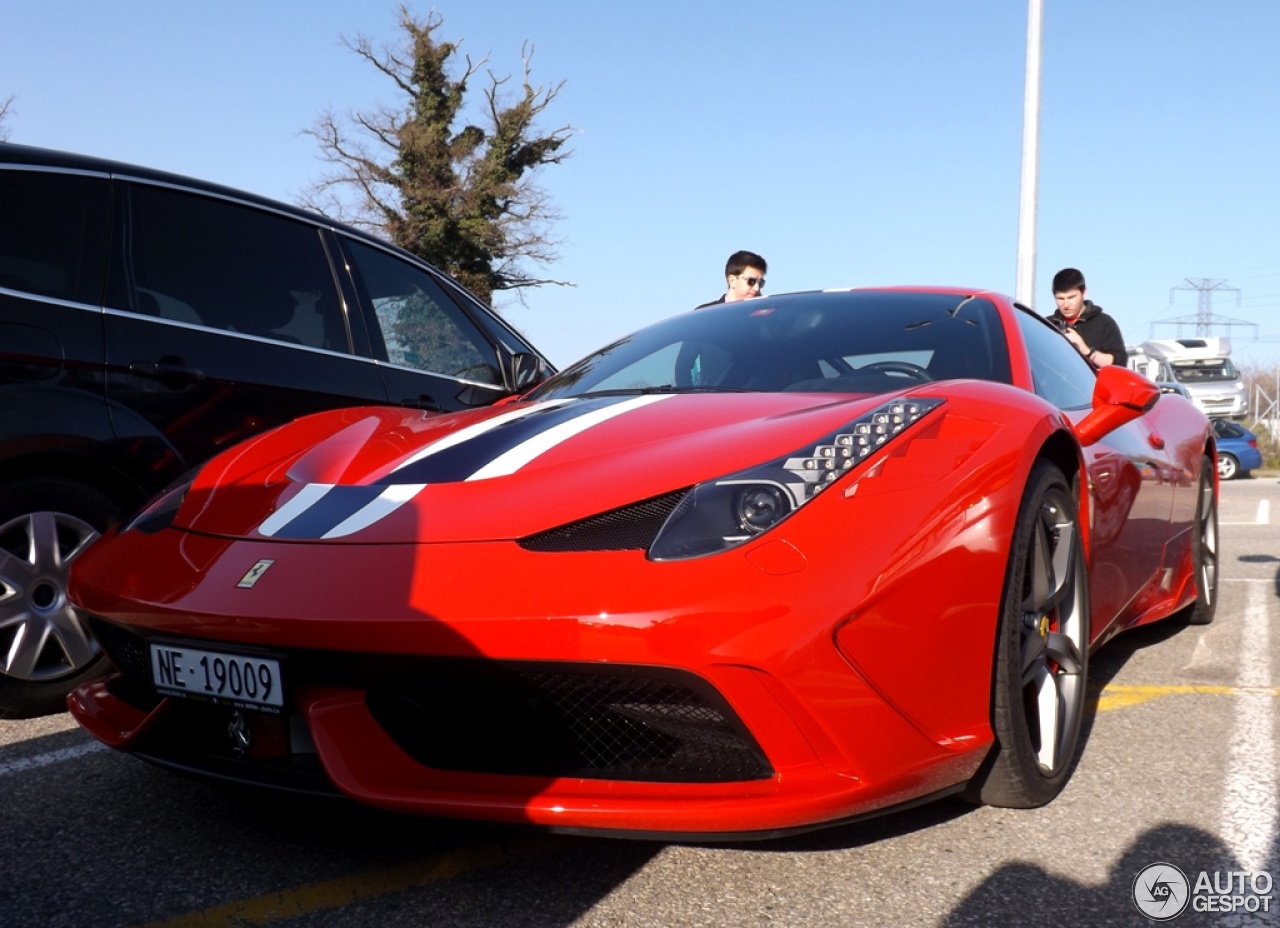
[759,567]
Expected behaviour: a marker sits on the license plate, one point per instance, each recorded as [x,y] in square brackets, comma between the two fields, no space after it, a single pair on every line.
[239,680]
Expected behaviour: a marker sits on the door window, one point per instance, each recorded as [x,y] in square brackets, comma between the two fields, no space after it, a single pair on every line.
[421,327]
[1059,374]
[210,262]
[53,234]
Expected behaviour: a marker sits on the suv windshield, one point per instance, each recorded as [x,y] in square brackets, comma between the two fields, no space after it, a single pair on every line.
[1206,371]
[846,342]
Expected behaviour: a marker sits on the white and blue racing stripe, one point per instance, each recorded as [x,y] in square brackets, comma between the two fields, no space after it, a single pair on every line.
[496,447]
[518,456]
[502,450]
[323,510]
[479,428]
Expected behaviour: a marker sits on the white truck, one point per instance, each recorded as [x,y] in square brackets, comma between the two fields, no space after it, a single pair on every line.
[1202,366]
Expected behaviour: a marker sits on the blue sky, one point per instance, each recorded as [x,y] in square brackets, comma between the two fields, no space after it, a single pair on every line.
[851,143]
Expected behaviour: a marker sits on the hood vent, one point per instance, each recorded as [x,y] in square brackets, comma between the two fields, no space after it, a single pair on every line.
[630,528]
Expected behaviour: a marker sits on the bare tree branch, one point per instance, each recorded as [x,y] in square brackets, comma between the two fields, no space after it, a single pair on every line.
[6,107]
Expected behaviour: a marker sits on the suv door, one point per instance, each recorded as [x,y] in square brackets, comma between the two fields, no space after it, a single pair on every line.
[225,320]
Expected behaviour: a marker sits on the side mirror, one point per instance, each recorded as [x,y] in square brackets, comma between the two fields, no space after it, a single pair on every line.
[525,370]
[1119,396]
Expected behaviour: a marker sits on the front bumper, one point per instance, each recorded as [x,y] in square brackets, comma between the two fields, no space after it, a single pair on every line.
[790,683]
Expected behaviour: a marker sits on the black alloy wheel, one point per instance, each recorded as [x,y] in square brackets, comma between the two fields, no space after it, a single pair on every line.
[1042,651]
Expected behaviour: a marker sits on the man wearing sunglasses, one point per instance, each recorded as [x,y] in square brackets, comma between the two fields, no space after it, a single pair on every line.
[744,277]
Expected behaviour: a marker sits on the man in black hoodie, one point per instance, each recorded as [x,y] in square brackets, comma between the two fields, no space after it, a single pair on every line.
[1093,333]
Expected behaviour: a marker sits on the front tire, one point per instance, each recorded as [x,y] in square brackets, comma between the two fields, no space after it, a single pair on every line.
[1042,651]
[45,651]
[1204,547]
[1228,467]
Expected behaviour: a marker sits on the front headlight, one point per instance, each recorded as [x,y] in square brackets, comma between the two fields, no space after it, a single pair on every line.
[724,513]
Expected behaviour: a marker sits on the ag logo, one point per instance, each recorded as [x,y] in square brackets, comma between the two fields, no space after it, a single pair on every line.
[1161,892]
[254,574]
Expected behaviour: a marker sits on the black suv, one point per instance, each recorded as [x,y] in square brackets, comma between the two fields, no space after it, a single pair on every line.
[149,320]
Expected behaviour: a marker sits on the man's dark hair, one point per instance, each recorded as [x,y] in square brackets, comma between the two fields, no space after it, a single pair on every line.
[1067,279]
[739,261]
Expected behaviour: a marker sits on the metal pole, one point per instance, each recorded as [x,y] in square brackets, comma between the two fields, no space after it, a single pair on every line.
[1025,283]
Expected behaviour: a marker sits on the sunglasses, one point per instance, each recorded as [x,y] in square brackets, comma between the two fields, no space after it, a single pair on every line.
[752,281]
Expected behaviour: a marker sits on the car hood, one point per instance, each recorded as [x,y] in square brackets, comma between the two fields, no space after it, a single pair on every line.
[387,475]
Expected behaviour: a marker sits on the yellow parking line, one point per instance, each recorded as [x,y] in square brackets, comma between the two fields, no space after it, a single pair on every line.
[330,894]
[1120,697]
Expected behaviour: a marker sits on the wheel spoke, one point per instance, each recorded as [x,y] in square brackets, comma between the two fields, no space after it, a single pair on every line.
[44,541]
[78,648]
[1034,664]
[23,655]
[1208,544]
[1049,717]
[1064,652]
[1041,568]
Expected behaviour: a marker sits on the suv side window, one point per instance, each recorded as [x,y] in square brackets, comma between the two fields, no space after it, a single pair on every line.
[421,326]
[53,234]
[210,262]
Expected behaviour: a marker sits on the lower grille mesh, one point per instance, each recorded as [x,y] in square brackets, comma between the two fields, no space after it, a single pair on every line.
[544,719]
[622,723]
[125,649]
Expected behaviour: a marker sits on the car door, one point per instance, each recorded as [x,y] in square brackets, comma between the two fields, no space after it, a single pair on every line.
[223,319]
[1131,480]
[435,350]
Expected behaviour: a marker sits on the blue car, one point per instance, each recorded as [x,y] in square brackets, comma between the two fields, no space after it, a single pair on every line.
[1237,449]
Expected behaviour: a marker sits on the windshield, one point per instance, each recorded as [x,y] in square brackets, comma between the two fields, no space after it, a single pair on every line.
[845,342]
[1207,371]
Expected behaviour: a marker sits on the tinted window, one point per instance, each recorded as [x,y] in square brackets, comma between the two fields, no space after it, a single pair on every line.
[1059,374]
[861,342]
[421,327]
[1228,429]
[214,263]
[1212,370]
[53,234]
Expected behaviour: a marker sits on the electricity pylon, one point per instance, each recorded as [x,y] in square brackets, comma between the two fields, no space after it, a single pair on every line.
[1205,320]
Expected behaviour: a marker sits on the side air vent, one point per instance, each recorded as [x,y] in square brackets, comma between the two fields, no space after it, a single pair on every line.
[631,528]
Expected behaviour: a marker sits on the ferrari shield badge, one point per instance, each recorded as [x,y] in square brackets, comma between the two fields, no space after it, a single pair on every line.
[254,574]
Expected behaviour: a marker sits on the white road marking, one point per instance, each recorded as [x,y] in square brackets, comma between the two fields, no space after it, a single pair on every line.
[1249,793]
[36,761]
[1261,517]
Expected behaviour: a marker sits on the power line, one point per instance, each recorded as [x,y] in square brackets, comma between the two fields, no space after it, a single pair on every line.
[1205,320]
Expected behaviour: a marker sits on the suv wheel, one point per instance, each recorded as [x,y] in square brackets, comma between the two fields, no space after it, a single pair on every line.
[45,650]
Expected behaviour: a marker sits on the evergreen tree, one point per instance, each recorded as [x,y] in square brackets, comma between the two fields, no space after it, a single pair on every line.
[457,192]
